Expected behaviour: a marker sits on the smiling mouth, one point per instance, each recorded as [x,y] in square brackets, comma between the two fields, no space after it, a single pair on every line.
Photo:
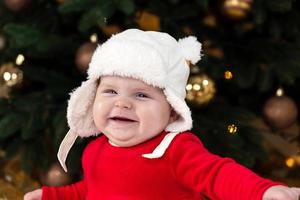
[122,119]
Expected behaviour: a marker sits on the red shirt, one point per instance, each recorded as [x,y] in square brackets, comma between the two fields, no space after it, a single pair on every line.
[186,171]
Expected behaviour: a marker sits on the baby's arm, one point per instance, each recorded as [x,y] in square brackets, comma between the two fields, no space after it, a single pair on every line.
[281,193]
[215,177]
[75,191]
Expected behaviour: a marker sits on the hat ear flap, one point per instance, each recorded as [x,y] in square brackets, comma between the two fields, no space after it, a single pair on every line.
[80,109]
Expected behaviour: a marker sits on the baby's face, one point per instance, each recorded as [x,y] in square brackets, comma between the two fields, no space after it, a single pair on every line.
[128,111]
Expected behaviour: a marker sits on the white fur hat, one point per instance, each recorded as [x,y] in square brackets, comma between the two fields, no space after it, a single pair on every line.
[153,57]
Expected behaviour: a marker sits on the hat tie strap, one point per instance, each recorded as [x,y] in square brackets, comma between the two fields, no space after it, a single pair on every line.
[162,147]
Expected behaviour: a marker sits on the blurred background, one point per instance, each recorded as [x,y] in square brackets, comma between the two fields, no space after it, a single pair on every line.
[244,93]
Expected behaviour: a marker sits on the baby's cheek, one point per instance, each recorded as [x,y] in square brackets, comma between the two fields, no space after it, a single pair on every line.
[97,114]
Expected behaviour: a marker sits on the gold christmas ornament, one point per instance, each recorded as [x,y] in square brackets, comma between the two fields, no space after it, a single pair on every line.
[10,75]
[16,5]
[200,89]
[84,55]
[56,176]
[280,112]
[237,9]
[2,42]
[109,30]
[148,21]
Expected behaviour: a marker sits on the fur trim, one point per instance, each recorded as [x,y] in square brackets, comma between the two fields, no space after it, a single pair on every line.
[80,109]
[190,48]
[185,121]
[132,59]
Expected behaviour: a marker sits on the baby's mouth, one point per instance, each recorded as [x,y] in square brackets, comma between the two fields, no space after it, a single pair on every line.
[122,119]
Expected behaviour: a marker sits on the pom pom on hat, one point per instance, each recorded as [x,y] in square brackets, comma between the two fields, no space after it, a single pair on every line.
[190,48]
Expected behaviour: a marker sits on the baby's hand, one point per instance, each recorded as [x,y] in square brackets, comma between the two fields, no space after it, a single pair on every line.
[34,195]
[281,193]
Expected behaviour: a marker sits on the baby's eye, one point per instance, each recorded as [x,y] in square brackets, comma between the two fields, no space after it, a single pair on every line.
[142,95]
[109,91]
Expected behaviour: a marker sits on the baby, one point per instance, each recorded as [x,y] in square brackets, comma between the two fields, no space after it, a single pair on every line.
[134,96]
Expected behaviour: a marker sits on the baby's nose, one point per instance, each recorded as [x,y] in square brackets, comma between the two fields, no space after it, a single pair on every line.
[123,103]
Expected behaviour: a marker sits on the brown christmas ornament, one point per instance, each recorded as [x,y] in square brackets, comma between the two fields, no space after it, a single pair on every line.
[148,21]
[200,89]
[56,176]
[16,5]
[10,75]
[280,112]
[84,55]
[236,9]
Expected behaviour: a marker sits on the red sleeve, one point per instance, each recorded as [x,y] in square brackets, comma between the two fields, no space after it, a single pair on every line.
[216,177]
[75,191]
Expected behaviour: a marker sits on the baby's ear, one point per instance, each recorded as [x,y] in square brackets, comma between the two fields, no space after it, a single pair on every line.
[173,116]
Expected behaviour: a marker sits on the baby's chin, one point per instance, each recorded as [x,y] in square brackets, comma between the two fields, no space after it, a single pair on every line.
[124,143]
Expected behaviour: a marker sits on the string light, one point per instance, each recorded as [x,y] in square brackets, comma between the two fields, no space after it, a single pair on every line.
[196,87]
[6,76]
[189,87]
[232,128]
[94,38]
[205,82]
[290,162]
[279,92]
[20,59]
[14,76]
[228,75]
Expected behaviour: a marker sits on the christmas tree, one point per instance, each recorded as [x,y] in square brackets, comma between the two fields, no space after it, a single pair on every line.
[243,93]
